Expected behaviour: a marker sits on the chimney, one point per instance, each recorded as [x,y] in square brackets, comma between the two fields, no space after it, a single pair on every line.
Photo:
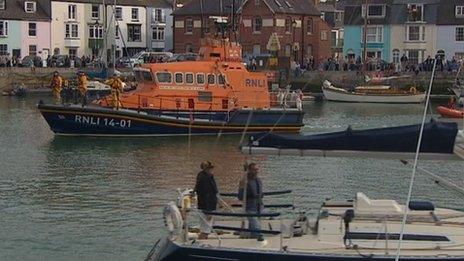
[316,2]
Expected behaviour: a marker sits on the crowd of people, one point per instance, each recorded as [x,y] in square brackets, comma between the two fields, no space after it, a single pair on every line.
[64,61]
[340,63]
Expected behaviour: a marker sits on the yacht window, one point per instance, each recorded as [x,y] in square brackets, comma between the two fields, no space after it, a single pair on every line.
[200,78]
[221,79]
[211,79]
[163,77]
[179,77]
[189,78]
[146,76]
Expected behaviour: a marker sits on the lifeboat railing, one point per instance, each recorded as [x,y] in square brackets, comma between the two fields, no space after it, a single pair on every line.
[158,101]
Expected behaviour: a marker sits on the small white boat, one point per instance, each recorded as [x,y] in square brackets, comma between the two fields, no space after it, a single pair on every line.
[372,94]
[359,229]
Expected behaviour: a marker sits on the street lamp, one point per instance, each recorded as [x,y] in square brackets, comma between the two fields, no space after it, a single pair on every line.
[293,44]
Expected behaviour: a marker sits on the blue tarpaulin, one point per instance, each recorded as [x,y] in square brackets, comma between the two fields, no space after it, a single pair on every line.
[439,137]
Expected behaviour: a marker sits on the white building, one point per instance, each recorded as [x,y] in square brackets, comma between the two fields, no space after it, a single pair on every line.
[159,26]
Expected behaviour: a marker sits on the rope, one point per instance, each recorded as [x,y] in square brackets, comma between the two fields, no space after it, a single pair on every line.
[416,159]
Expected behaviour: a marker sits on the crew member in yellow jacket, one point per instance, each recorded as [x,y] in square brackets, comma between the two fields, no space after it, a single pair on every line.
[82,87]
[116,89]
[56,84]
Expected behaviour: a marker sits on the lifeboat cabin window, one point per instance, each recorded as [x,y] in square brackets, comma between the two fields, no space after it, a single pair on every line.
[189,78]
[179,77]
[221,79]
[211,79]
[146,76]
[164,77]
[200,78]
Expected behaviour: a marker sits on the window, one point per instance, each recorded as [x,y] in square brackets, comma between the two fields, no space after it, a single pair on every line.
[459,34]
[415,13]
[416,33]
[322,15]
[200,78]
[72,12]
[257,24]
[188,26]
[135,14]
[324,35]
[158,16]
[413,56]
[211,79]
[205,24]
[32,50]
[309,26]
[288,50]
[72,52]
[158,33]
[29,7]
[96,32]
[32,29]
[338,16]
[72,31]
[164,77]
[374,11]
[396,56]
[118,13]
[460,11]
[116,33]
[257,2]
[2,4]
[3,49]
[221,79]
[179,78]
[459,56]
[309,50]
[374,34]
[134,33]
[288,25]
[256,49]
[189,78]
[3,28]
[188,48]
[95,12]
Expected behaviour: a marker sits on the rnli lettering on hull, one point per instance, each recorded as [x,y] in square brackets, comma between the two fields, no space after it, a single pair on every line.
[102,121]
[183,88]
[254,83]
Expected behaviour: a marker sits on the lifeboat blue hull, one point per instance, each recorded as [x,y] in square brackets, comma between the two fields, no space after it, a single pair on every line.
[98,121]
[167,250]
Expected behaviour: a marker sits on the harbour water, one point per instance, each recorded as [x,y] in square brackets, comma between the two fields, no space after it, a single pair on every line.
[64,198]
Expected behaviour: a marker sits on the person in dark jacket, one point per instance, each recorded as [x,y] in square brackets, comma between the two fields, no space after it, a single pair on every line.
[207,198]
[254,197]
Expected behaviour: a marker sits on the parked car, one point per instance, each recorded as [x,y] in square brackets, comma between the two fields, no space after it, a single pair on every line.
[184,57]
[145,57]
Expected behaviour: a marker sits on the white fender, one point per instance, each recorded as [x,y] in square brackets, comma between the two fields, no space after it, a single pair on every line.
[173,218]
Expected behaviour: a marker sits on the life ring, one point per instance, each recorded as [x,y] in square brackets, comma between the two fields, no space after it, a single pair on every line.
[173,218]
[413,90]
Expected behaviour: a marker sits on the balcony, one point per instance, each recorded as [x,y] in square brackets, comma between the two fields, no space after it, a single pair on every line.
[72,42]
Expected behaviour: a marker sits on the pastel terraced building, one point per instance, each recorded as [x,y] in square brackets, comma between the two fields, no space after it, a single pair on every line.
[25,27]
[450,29]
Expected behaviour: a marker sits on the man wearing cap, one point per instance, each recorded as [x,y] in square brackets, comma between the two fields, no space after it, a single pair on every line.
[207,191]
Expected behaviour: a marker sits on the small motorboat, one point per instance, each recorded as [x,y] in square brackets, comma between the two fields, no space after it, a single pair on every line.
[449,112]
[372,94]
[359,229]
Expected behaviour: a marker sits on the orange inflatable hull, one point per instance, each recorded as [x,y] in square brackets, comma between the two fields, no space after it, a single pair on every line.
[450,113]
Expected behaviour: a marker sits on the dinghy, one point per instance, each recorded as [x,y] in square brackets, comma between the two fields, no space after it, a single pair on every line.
[450,113]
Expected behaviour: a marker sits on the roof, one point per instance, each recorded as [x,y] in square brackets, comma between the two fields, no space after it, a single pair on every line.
[147,3]
[15,11]
[326,7]
[212,7]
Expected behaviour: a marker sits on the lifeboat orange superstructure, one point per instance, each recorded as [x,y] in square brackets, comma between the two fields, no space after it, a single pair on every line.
[217,81]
